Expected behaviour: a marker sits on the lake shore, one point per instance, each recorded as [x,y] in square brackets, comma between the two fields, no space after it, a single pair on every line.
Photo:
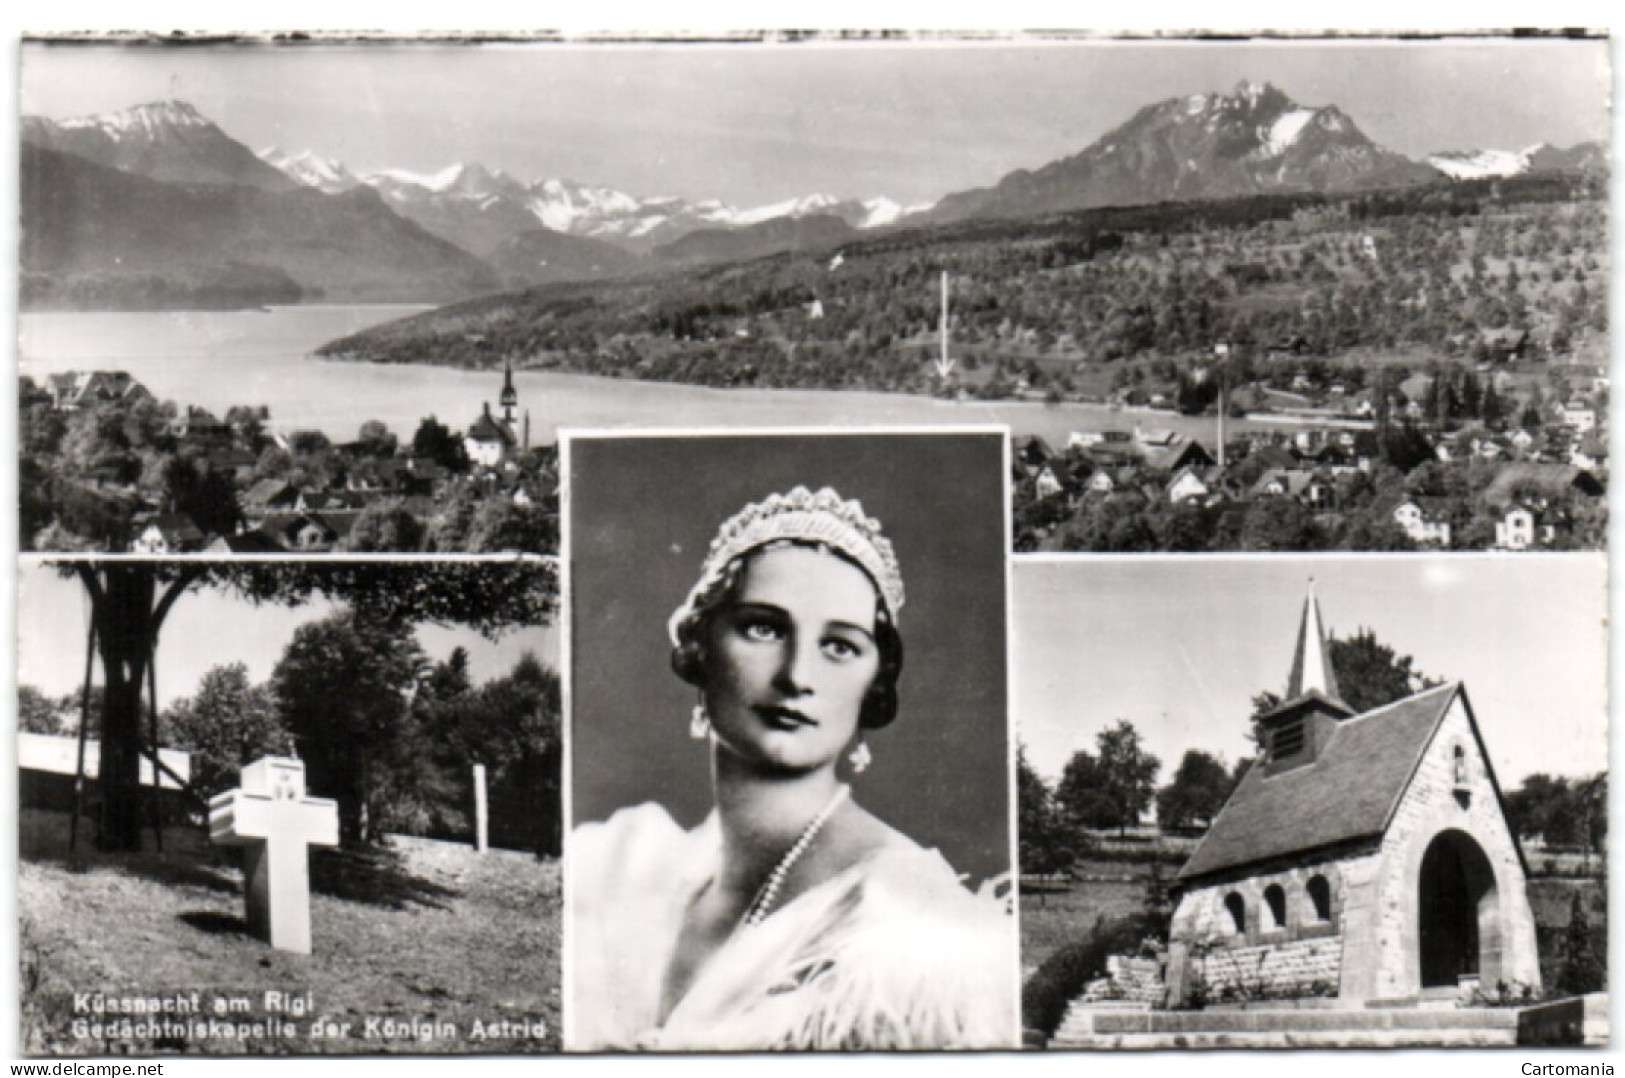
[217,359]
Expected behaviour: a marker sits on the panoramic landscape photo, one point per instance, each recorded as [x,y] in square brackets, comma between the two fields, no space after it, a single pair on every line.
[1273,295]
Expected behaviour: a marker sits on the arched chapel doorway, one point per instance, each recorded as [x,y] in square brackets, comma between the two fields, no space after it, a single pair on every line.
[1459,928]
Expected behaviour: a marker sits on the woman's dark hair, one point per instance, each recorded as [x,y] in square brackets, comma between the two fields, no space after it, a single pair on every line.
[688,655]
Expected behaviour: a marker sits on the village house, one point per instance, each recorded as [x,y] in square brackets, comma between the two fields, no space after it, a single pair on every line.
[72,390]
[1590,453]
[1504,345]
[1549,481]
[251,541]
[1188,486]
[1365,857]
[167,533]
[1421,520]
[1518,529]
[198,424]
[1578,414]
[1030,452]
[1172,456]
[488,442]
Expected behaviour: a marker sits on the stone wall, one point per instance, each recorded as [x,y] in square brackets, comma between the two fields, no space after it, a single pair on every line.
[1208,955]
[1458,797]
[1291,970]
[1138,980]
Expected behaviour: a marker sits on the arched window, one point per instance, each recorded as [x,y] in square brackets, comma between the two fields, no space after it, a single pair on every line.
[1238,912]
[1275,899]
[1320,898]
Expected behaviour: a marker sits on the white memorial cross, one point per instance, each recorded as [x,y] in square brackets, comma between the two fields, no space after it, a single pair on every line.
[274,822]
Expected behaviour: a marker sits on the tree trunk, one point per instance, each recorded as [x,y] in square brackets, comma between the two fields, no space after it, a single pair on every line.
[127,622]
[124,636]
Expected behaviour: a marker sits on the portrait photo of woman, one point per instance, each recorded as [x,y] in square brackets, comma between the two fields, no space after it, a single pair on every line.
[791,828]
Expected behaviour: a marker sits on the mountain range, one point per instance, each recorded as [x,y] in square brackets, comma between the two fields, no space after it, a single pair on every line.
[157,200]
[482,207]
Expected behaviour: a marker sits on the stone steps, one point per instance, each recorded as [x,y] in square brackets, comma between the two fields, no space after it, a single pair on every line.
[1087,1027]
[1384,1038]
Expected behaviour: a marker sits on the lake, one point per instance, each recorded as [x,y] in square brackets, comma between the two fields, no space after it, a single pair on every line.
[215,359]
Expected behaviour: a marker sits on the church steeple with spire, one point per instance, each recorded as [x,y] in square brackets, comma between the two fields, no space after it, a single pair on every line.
[1311,663]
[510,396]
[1294,730]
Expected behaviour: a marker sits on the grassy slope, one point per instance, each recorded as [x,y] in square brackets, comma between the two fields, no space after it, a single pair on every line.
[426,930]
[1049,921]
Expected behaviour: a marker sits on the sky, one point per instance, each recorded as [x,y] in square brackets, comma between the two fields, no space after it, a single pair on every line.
[208,628]
[753,123]
[1179,646]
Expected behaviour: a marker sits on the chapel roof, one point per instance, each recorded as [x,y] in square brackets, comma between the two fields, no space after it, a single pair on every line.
[1349,791]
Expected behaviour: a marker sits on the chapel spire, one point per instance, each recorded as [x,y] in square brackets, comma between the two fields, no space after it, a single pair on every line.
[1311,662]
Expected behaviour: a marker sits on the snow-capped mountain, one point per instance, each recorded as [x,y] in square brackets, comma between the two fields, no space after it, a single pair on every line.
[880,211]
[1482,164]
[1476,164]
[1254,139]
[165,140]
[481,207]
[323,173]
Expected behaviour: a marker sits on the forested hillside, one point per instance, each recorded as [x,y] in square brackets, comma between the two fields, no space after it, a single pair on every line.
[1063,304]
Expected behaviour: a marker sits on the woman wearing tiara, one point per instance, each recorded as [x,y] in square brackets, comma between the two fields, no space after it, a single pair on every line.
[791,918]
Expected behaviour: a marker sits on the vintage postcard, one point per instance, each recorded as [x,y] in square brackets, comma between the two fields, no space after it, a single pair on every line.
[1094,348]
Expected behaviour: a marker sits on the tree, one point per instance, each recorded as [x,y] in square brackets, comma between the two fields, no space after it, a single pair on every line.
[1374,531]
[377,439]
[1129,772]
[435,441]
[1279,523]
[1199,789]
[1081,796]
[499,525]
[518,735]
[1369,672]
[36,712]
[1045,843]
[343,686]
[385,526]
[130,601]
[1561,812]
[227,724]
[1113,789]
[1585,952]
[209,498]
[248,423]
[1195,393]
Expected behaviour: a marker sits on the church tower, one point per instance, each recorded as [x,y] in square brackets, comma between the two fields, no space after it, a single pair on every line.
[1294,730]
[510,397]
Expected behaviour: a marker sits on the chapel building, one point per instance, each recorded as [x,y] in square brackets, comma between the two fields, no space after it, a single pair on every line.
[1365,857]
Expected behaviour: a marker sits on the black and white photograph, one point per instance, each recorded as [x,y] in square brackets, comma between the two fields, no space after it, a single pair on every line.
[790,765]
[274,808]
[1327,802]
[340,294]
[727,540]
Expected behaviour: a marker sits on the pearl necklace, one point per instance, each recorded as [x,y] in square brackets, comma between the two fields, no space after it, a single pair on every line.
[762,904]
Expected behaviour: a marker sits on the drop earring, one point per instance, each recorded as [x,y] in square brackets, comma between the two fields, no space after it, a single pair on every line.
[699,723]
[860,758]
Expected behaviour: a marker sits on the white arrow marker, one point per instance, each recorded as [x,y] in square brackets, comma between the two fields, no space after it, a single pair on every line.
[945,366]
